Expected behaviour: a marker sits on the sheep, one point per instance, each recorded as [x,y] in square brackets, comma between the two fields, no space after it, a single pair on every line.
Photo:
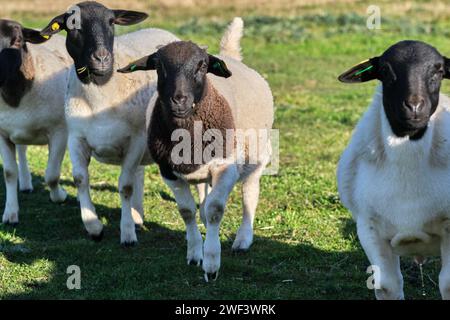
[193,90]
[105,113]
[33,80]
[394,176]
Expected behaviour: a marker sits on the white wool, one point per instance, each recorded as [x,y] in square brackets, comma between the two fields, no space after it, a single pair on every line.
[43,106]
[230,45]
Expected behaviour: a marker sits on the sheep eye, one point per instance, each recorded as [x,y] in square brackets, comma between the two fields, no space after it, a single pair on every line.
[16,40]
[438,75]
[201,67]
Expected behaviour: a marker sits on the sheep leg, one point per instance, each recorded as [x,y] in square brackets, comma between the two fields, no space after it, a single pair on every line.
[203,191]
[137,200]
[25,181]
[250,197]
[380,254]
[444,276]
[127,181]
[80,155]
[10,172]
[224,178]
[56,150]
[188,208]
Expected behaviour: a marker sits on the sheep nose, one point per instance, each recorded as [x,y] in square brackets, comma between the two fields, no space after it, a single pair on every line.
[179,99]
[101,55]
[414,103]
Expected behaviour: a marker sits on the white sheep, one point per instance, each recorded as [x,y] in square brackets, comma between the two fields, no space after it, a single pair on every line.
[395,174]
[218,95]
[105,112]
[33,81]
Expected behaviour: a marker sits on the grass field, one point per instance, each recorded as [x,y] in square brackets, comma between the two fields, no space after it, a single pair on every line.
[306,245]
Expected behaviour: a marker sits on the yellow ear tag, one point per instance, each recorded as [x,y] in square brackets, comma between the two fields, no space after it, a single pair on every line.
[46,37]
[55,26]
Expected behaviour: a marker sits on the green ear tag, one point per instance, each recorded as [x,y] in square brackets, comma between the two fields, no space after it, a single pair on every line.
[362,71]
[81,70]
[133,67]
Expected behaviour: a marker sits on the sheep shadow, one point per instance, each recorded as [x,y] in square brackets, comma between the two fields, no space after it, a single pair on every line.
[107,187]
[51,237]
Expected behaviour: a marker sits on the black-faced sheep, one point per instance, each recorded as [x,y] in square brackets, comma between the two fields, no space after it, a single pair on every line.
[395,174]
[213,96]
[105,112]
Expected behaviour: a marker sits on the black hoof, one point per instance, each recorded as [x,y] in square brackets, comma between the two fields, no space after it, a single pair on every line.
[195,263]
[212,276]
[129,244]
[12,225]
[27,191]
[98,238]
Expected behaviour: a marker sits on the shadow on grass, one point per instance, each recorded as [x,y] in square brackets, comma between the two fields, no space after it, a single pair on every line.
[410,270]
[51,237]
[97,187]
[167,197]
[348,229]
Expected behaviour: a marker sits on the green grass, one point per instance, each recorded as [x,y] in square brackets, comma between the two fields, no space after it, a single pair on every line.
[305,246]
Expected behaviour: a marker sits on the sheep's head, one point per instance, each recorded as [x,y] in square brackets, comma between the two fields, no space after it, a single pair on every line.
[90,37]
[13,39]
[182,68]
[411,73]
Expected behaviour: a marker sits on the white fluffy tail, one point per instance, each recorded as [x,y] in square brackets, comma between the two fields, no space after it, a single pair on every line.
[230,45]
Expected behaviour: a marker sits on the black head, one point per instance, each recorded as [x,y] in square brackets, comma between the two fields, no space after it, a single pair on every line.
[90,37]
[182,68]
[411,73]
[13,39]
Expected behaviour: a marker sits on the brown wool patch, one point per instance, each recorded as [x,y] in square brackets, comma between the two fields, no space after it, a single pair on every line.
[213,111]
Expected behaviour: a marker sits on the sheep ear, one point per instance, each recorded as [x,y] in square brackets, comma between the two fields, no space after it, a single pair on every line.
[56,25]
[362,72]
[33,36]
[218,67]
[145,63]
[446,68]
[128,18]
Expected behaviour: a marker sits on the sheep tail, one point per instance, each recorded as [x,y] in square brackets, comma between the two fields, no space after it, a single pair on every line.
[230,45]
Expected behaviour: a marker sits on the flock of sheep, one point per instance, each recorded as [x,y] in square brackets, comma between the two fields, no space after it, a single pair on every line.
[394,176]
